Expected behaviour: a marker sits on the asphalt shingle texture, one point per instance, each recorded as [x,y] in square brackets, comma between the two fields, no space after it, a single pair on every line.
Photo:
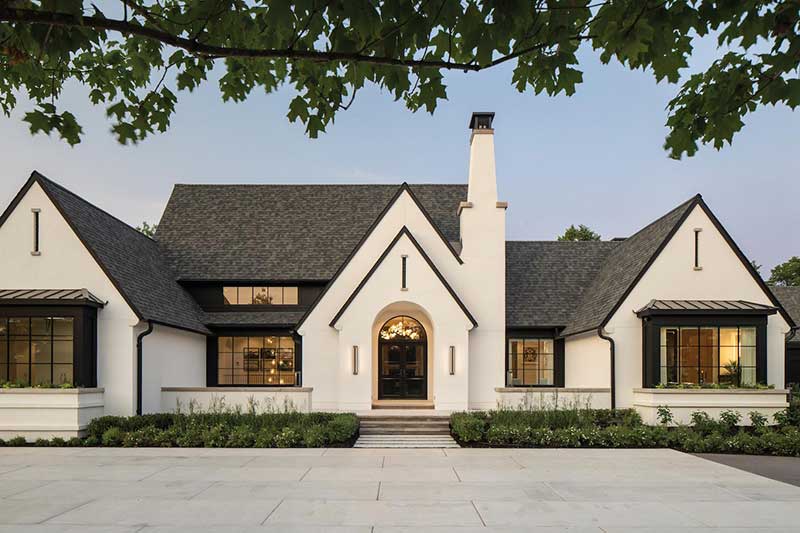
[133,261]
[621,268]
[253,318]
[545,279]
[282,232]
[789,297]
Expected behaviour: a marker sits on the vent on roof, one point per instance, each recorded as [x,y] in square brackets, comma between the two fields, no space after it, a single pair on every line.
[618,239]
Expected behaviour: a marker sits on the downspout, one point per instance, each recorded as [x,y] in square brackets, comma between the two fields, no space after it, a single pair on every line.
[139,360]
[612,354]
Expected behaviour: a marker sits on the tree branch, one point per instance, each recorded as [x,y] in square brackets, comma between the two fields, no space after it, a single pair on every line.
[28,16]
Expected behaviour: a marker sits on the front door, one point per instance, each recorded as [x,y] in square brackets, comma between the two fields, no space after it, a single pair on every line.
[402,370]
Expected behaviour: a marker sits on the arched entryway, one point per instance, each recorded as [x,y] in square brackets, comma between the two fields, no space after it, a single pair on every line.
[402,360]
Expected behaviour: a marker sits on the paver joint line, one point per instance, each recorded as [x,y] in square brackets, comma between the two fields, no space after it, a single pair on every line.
[272,511]
[478,512]
[65,511]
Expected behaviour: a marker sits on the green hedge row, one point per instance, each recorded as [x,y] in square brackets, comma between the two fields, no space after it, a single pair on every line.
[215,430]
[624,429]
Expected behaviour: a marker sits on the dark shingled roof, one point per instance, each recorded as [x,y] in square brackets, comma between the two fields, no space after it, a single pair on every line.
[622,269]
[545,279]
[789,297]
[282,232]
[253,318]
[132,261]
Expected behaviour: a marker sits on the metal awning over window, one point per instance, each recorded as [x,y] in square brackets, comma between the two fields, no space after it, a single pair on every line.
[704,307]
[49,297]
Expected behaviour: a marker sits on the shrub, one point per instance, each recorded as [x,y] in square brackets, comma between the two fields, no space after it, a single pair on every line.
[757,420]
[665,416]
[241,436]
[144,437]
[315,436]
[287,438]
[17,441]
[729,420]
[112,437]
[265,438]
[468,427]
[58,442]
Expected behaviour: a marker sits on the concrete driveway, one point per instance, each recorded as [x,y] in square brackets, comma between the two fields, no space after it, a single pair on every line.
[379,491]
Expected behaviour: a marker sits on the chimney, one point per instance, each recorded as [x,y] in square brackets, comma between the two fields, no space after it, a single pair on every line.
[482,191]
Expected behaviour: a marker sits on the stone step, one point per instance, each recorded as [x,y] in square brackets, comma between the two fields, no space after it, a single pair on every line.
[406,441]
[385,424]
[405,431]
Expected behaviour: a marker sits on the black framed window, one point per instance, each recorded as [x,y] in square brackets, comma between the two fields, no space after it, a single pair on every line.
[260,295]
[37,350]
[726,351]
[708,354]
[534,359]
[256,360]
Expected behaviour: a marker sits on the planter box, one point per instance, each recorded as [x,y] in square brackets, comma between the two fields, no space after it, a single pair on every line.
[683,402]
[552,397]
[266,398]
[46,413]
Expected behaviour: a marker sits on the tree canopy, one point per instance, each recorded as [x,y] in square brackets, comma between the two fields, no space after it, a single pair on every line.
[135,56]
[787,273]
[148,229]
[581,233]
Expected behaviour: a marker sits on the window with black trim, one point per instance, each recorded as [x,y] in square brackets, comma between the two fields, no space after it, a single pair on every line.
[531,361]
[260,295]
[708,354]
[256,360]
[36,350]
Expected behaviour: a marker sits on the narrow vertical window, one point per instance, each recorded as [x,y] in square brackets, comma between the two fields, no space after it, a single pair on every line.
[405,262]
[35,212]
[697,248]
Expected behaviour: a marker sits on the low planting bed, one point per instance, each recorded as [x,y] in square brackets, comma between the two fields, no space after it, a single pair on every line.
[623,428]
[214,430]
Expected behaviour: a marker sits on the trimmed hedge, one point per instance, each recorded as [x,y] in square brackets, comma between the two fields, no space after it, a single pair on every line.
[623,428]
[215,430]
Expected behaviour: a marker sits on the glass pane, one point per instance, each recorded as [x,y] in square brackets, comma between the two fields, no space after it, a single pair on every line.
[62,374]
[286,342]
[276,295]
[225,376]
[709,374]
[402,328]
[245,295]
[690,337]
[728,336]
[18,374]
[728,359]
[41,374]
[255,342]
[748,375]
[62,327]
[41,350]
[19,326]
[239,344]
[747,356]
[547,346]
[708,337]
[41,326]
[225,360]
[260,295]
[689,356]
[229,295]
[747,336]
[19,351]
[546,377]
[3,372]
[290,296]
[225,344]
[3,327]
[3,350]
[709,356]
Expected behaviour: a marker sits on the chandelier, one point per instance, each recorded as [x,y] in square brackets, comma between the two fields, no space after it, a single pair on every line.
[402,327]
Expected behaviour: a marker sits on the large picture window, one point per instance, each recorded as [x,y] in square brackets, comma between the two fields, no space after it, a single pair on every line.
[708,354]
[37,350]
[531,362]
[256,360]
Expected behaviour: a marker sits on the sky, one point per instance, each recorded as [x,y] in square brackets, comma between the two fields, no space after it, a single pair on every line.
[595,158]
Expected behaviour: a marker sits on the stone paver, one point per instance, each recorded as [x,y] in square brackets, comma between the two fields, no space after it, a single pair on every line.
[384,491]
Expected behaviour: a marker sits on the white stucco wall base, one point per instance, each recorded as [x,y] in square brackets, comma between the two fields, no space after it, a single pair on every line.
[683,402]
[272,399]
[47,413]
[171,358]
[553,398]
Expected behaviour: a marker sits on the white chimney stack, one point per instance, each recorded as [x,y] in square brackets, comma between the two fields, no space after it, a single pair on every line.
[482,191]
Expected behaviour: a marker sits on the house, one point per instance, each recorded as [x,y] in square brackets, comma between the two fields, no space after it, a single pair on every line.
[355,297]
[789,297]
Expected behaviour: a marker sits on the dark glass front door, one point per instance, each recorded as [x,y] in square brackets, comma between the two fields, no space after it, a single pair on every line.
[402,371]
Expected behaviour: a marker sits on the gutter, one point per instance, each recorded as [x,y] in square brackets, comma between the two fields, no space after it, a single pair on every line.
[612,354]
[139,359]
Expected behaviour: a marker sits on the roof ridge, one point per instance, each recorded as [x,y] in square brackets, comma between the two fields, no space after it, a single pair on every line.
[41,177]
[696,198]
[319,184]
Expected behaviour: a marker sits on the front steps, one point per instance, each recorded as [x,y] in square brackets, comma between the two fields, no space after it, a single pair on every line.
[405,431]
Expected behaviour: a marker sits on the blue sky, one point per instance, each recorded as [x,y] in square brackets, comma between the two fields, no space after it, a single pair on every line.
[594,158]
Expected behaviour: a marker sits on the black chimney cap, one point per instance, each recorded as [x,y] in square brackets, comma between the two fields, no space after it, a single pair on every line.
[481,120]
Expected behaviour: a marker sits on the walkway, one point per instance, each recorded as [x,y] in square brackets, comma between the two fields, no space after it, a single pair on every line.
[51,490]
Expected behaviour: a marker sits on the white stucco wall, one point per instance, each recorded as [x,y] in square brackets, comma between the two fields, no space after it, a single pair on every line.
[171,358]
[587,361]
[65,263]
[673,277]
[425,298]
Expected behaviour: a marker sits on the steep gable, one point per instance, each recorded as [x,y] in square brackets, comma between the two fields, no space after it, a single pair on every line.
[132,261]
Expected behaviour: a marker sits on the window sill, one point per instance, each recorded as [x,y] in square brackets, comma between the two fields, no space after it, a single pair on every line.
[239,388]
[675,391]
[547,388]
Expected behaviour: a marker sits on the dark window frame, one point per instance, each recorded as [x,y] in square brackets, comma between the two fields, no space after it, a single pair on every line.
[84,337]
[36,225]
[697,248]
[404,285]
[558,355]
[651,340]
[212,355]
[253,287]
